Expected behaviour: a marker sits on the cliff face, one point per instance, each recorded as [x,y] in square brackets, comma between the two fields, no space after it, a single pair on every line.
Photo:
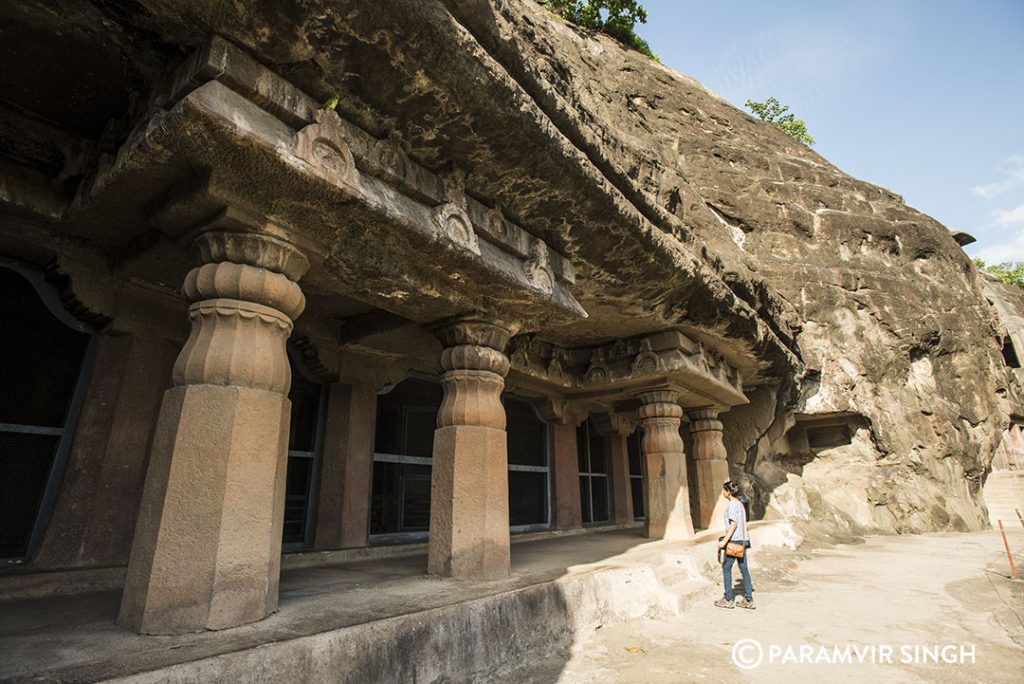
[872,359]
[905,393]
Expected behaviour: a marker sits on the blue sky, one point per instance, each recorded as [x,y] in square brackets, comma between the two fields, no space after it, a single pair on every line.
[923,97]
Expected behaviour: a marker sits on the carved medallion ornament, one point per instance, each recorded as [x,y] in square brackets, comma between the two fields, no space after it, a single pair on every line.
[556,369]
[647,362]
[538,268]
[322,147]
[597,372]
[454,225]
[391,160]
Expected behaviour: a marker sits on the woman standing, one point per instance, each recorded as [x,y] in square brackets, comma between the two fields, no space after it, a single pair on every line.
[736,532]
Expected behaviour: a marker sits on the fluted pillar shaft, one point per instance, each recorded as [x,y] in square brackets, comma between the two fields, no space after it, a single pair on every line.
[469,535]
[668,497]
[207,546]
[711,462]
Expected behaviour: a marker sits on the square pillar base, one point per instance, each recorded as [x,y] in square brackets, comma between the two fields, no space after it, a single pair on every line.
[711,475]
[207,548]
[469,535]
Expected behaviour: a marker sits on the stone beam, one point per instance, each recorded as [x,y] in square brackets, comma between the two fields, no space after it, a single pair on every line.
[207,547]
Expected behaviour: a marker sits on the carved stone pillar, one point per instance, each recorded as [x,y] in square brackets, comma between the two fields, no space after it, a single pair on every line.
[207,546]
[346,466]
[566,508]
[711,461]
[617,428]
[469,535]
[668,496]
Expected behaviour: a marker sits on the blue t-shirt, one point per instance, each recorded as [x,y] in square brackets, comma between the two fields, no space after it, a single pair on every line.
[735,512]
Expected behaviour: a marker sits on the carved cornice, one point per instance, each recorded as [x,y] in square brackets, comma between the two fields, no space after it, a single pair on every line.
[668,357]
[375,172]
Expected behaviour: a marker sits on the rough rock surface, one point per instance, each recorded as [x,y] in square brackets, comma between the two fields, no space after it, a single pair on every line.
[878,388]
[894,331]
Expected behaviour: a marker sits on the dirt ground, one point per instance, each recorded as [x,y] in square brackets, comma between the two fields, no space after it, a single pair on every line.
[925,608]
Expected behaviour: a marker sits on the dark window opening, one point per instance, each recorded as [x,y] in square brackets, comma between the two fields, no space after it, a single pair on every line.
[828,436]
[636,474]
[529,473]
[403,447]
[592,454]
[304,436]
[41,361]
[1010,353]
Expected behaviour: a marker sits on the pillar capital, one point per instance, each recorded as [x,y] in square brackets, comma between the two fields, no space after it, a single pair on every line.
[244,297]
[474,331]
[704,419]
[615,424]
[662,396]
[563,412]
[251,249]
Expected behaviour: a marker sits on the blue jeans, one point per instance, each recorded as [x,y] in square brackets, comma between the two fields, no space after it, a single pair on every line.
[748,589]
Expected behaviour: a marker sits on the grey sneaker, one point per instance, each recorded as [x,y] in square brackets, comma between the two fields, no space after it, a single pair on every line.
[742,602]
[725,603]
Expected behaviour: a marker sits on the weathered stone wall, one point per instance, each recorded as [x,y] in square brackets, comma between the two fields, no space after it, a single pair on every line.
[892,323]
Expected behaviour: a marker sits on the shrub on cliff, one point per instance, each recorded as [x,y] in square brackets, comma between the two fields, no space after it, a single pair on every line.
[774,112]
[1010,272]
[615,18]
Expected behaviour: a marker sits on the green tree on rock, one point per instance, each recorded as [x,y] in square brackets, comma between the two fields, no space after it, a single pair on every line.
[615,18]
[774,112]
[1010,272]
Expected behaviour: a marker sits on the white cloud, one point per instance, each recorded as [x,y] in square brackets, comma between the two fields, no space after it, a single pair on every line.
[1009,217]
[1012,176]
[1010,247]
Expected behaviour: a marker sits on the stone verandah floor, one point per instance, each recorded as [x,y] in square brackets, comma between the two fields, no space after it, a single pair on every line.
[917,588]
[74,638]
[906,590]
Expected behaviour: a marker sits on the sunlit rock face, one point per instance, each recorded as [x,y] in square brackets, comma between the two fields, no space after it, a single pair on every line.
[872,360]
[904,394]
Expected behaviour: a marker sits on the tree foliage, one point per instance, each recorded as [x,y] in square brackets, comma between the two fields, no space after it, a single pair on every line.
[772,111]
[615,18]
[1010,272]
